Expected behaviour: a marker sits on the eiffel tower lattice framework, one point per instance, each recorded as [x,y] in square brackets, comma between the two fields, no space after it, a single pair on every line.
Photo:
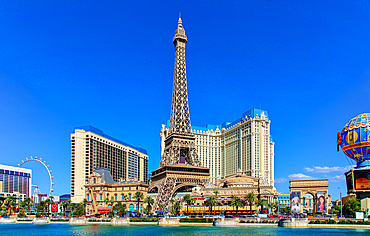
[180,165]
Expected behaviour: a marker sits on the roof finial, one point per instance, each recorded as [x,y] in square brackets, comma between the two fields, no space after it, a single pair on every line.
[180,14]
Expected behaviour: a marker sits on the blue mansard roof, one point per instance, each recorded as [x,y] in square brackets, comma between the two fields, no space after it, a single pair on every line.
[94,130]
[253,113]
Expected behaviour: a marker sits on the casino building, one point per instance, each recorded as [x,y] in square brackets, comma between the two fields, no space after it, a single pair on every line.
[15,181]
[101,186]
[91,148]
[244,145]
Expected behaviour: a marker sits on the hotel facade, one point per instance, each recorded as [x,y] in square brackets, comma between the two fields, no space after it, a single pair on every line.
[91,148]
[15,181]
[244,145]
[101,186]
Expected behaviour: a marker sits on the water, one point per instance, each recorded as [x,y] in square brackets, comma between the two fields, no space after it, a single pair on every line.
[82,230]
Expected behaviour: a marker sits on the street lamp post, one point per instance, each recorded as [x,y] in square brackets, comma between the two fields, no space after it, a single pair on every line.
[340,196]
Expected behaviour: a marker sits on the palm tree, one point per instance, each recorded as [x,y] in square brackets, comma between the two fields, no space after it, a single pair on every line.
[216,193]
[64,205]
[138,196]
[10,204]
[188,199]
[275,207]
[236,202]
[3,206]
[40,208]
[211,202]
[29,203]
[23,204]
[112,200]
[262,203]
[125,198]
[84,204]
[106,201]
[149,201]
[172,201]
[120,208]
[73,206]
[177,207]
[48,202]
[251,198]
[69,203]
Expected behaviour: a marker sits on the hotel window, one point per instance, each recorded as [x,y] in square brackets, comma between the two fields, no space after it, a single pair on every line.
[101,197]
[129,196]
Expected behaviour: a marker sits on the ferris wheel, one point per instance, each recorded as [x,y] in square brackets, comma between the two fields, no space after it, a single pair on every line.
[39,160]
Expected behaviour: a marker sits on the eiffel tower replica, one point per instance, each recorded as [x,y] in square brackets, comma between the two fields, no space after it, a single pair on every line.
[180,166]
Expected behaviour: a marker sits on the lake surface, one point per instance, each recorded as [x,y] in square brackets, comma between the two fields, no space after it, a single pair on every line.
[153,230]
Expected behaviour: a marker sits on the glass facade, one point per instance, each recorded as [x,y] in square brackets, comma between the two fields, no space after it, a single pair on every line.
[14,182]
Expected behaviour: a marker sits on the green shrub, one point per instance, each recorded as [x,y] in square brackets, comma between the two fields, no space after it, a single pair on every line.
[331,221]
[354,222]
[21,214]
[24,219]
[196,220]
[143,219]
[63,220]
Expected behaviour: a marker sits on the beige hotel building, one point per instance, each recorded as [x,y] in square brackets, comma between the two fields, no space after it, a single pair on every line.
[91,148]
[244,145]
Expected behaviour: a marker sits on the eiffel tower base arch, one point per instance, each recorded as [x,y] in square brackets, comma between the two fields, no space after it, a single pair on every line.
[168,179]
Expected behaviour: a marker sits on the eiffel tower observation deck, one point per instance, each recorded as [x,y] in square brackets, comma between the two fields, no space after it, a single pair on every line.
[180,167]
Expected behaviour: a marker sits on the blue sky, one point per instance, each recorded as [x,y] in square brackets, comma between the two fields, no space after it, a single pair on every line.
[110,65]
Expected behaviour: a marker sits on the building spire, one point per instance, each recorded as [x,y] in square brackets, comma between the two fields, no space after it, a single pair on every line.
[180,117]
[180,32]
[180,140]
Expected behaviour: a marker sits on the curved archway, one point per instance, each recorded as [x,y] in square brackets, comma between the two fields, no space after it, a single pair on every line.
[153,189]
[308,202]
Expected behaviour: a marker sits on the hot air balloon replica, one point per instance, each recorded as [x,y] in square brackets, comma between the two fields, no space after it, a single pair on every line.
[355,143]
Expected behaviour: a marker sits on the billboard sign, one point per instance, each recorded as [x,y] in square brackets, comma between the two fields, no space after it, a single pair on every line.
[295,201]
[54,207]
[321,202]
[362,179]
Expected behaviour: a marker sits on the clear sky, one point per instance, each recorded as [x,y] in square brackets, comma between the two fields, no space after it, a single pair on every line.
[109,64]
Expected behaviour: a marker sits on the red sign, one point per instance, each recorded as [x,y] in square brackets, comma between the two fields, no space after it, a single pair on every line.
[199,198]
[54,207]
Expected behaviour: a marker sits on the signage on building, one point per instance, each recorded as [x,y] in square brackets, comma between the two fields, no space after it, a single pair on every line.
[54,207]
[295,200]
[321,201]
[362,179]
